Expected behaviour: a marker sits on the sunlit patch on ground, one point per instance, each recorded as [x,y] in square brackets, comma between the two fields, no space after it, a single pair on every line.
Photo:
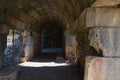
[42,64]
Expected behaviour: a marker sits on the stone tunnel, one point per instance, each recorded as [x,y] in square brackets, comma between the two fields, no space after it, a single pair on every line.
[85,33]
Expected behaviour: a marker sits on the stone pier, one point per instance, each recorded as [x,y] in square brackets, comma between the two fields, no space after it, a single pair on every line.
[28,42]
[104,30]
[70,45]
[3,42]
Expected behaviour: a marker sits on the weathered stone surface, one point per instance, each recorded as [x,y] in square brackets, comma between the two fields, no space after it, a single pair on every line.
[103,17]
[106,3]
[34,12]
[106,39]
[28,42]
[70,45]
[8,74]
[98,68]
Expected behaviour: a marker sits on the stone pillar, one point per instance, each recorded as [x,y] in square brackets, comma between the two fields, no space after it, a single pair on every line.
[104,35]
[37,45]
[28,42]
[104,30]
[3,42]
[70,45]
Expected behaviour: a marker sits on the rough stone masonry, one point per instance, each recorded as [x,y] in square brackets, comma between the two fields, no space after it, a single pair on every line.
[104,33]
[101,68]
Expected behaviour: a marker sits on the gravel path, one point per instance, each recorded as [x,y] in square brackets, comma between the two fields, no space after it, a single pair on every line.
[47,71]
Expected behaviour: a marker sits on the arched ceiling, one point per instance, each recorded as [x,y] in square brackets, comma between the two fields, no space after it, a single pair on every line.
[33,12]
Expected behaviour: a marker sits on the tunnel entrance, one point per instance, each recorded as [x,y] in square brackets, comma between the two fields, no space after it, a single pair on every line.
[52,39]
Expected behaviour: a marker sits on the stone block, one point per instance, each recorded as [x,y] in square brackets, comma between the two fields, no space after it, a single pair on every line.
[71,44]
[103,17]
[106,39]
[100,68]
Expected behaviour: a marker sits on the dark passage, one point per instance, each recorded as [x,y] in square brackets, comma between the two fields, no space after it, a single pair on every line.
[52,38]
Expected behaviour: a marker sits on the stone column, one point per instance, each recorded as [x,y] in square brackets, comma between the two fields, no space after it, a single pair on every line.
[70,45]
[37,46]
[104,35]
[3,42]
[28,42]
[104,30]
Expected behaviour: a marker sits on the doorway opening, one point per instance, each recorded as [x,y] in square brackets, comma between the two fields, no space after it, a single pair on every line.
[14,48]
[52,39]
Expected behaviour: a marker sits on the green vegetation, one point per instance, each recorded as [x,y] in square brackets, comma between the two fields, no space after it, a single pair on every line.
[13,31]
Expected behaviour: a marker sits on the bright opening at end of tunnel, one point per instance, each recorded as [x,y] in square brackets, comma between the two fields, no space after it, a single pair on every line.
[42,64]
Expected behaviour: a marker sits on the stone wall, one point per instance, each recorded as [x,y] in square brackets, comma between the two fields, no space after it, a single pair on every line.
[2,53]
[106,39]
[82,33]
[28,41]
[70,45]
[37,46]
[103,17]
[3,42]
[104,29]
[97,31]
